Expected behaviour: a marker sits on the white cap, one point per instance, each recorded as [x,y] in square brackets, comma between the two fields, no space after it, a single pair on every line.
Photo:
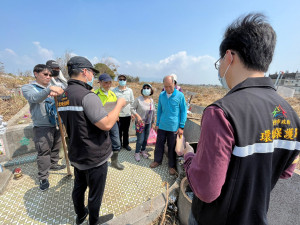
[174,76]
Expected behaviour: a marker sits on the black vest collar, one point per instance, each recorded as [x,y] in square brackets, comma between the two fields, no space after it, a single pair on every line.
[263,82]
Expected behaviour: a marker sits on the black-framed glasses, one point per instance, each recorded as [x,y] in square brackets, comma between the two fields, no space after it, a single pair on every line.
[122,79]
[218,63]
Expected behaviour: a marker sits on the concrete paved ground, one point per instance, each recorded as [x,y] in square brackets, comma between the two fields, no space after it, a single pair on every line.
[23,203]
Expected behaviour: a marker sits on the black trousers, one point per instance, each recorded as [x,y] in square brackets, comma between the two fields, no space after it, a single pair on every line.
[95,179]
[162,136]
[124,124]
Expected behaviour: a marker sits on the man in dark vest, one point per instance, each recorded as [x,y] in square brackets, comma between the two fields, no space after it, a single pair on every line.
[249,138]
[87,125]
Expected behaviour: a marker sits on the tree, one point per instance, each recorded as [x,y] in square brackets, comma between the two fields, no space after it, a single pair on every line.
[62,62]
[132,79]
[2,70]
[103,68]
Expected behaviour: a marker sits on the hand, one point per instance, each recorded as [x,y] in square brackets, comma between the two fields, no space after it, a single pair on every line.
[139,119]
[132,117]
[153,126]
[179,132]
[188,148]
[121,101]
[55,91]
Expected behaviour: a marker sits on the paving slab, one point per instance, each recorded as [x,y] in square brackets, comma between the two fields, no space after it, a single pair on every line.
[23,202]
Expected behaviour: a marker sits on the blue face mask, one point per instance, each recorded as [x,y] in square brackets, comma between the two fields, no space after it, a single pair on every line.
[223,79]
[146,92]
[122,82]
[91,82]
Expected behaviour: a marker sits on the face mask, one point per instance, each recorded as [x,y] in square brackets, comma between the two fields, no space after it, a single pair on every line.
[55,73]
[90,82]
[122,82]
[223,79]
[146,92]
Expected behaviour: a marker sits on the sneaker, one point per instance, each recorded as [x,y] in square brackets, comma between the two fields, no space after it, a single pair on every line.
[128,148]
[82,219]
[137,157]
[44,184]
[57,167]
[144,154]
[154,164]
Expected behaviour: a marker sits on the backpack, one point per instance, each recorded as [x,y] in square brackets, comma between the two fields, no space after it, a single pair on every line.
[50,107]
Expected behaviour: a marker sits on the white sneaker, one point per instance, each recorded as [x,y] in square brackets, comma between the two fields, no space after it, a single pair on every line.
[137,157]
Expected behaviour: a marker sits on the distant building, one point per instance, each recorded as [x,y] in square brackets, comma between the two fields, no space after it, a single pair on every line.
[290,80]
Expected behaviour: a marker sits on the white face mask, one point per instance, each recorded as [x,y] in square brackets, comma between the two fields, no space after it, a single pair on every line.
[146,92]
[223,79]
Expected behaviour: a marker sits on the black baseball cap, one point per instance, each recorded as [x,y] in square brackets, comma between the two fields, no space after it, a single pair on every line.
[52,64]
[79,62]
[105,77]
[122,75]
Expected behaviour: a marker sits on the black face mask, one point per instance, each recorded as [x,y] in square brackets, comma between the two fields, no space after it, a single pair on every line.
[55,73]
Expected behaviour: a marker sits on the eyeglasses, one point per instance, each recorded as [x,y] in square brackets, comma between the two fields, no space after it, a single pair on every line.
[217,63]
[122,79]
[47,74]
[92,72]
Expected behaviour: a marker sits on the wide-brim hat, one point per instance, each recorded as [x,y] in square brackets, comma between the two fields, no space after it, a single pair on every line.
[147,85]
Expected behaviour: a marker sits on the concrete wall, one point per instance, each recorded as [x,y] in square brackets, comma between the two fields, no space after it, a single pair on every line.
[18,140]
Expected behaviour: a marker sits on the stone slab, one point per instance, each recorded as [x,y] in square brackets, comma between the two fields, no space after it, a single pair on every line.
[191,131]
[197,109]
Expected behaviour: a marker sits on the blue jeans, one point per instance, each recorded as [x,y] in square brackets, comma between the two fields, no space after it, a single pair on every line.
[192,220]
[142,138]
[114,137]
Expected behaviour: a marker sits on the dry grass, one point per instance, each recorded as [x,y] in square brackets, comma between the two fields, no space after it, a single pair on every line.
[8,86]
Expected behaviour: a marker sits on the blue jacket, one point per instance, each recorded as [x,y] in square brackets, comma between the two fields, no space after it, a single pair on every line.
[171,112]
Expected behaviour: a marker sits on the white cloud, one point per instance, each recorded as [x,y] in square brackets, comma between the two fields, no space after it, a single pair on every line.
[10,51]
[45,53]
[95,60]
[14,62]
[189,69]
[110,60]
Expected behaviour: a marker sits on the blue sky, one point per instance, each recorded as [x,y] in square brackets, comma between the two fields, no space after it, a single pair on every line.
[149,39]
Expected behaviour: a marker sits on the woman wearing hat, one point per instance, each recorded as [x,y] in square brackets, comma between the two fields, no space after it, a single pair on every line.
[143,110]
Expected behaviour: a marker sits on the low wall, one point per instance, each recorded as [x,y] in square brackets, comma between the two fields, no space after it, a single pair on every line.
[18,140]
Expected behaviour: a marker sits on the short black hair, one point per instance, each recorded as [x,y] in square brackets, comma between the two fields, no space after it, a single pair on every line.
[150,88]
[41,67]
[253,39]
